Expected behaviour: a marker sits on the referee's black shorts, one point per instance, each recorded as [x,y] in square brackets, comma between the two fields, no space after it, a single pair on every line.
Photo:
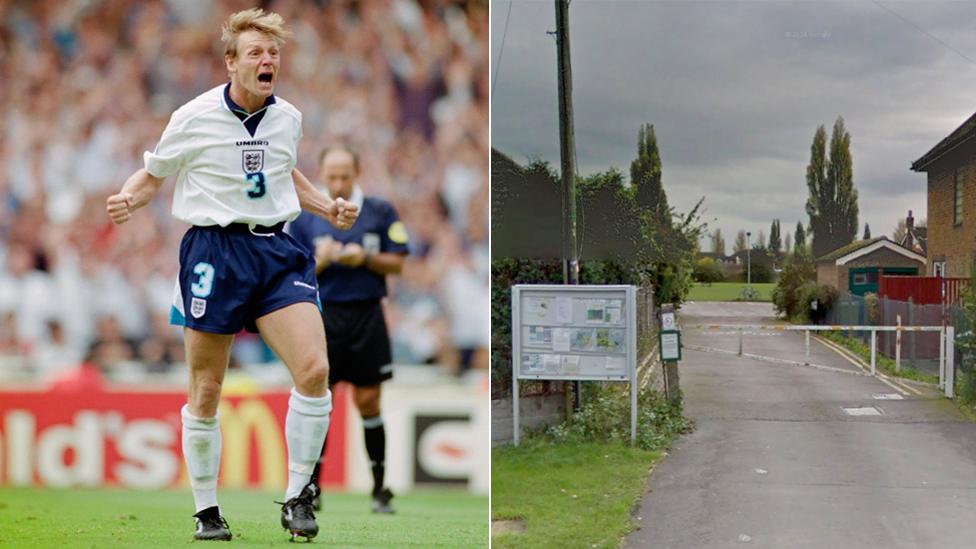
[359,344]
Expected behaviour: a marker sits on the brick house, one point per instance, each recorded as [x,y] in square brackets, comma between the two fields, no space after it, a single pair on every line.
[855,267]
[951,169]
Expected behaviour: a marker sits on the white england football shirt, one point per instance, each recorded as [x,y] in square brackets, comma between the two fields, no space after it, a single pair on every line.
[224,173]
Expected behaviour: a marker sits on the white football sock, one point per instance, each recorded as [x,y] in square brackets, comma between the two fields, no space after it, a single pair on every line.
[201,450]
[306,424]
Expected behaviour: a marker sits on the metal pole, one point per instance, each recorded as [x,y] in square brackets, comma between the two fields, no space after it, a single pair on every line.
[740,341]
[950,366]
[633,409]
[874,342]
[911,337]
[516,431]
[567,154]
[632,344]
[898,344]
[942,361]
[807,334]
[516,363]
[748,261]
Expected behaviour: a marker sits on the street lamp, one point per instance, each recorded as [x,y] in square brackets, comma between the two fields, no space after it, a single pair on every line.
[748,259]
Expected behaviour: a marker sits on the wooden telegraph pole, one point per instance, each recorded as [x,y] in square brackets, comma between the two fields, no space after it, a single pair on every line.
[567,154]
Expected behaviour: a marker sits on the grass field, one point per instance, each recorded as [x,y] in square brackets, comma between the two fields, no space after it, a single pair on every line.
[91,518]
[567,495]
[728,291]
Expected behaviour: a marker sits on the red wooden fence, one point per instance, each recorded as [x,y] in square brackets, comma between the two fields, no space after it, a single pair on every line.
[922,290]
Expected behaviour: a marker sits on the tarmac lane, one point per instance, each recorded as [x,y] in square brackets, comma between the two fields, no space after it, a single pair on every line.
[778,459]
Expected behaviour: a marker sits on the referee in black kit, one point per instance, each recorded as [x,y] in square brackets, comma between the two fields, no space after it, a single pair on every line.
[352,266]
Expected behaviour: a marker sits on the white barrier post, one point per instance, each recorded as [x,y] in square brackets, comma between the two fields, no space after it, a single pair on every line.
[898,344]
[874,343]
[807,332]
[516,430]
[942,370]
[633,408]
[950,357]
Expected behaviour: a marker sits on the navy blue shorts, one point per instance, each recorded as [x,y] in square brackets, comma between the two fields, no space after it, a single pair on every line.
[358,343]
[231,276]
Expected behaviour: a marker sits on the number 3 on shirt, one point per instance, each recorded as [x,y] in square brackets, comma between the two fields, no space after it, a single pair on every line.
[256,179]
[204,284]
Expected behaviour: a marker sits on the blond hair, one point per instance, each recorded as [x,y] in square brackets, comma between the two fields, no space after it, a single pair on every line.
[255,19]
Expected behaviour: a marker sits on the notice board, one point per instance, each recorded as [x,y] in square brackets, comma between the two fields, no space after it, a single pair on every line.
[582,332]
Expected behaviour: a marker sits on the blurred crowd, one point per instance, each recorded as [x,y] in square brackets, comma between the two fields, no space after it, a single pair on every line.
[88,85]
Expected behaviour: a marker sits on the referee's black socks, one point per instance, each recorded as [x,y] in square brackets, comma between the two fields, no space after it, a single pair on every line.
[375,436]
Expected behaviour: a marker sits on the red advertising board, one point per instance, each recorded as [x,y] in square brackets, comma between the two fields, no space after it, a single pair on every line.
[102,437]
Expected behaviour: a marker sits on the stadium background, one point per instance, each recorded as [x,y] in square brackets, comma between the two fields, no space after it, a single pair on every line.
[91,373]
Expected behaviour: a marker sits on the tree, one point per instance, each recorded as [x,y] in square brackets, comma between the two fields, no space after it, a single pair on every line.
[867,232]
[832,202]
[708,270]
[775,242]
[740,242]
[645,177]
[609,225]
[800,236]
[788,243]
[761,241]
[670,240]
[900,230]
[718,242]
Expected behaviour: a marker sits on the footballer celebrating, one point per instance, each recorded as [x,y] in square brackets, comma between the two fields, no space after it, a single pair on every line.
[233,150]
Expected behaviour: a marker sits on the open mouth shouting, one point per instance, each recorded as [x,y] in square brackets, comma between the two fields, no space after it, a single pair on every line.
[266,77]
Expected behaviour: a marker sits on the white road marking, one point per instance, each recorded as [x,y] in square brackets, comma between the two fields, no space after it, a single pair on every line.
[900,384]
[857,362]
[774,360]
[862,411]
[888,396]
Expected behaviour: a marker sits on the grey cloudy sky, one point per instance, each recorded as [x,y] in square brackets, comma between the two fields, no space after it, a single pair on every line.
[735,91]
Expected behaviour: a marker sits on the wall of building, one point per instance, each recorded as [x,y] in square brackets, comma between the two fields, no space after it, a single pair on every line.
[954,244]
[827,274]
[837,275]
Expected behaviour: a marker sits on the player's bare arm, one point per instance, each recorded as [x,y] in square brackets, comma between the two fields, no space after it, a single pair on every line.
[137,191]
[339,212]
[384,263]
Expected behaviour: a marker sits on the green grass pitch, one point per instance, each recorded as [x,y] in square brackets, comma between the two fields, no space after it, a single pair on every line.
[94,518]
[728,291]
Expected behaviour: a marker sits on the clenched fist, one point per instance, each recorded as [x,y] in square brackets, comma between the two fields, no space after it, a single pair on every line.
[118,207]
[345,213]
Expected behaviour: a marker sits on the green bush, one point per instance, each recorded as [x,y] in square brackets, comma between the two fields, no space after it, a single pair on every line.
[798,271]
[825,295]
[873,307]
[605,417]
[708,270]
[761,273]
[966,342]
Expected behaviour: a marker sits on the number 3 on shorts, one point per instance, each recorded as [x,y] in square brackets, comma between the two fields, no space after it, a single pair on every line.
[256,179]
[204,285]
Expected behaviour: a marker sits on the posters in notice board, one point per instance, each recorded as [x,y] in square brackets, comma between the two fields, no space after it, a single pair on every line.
[539,336]
[578,328]
[564,310]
